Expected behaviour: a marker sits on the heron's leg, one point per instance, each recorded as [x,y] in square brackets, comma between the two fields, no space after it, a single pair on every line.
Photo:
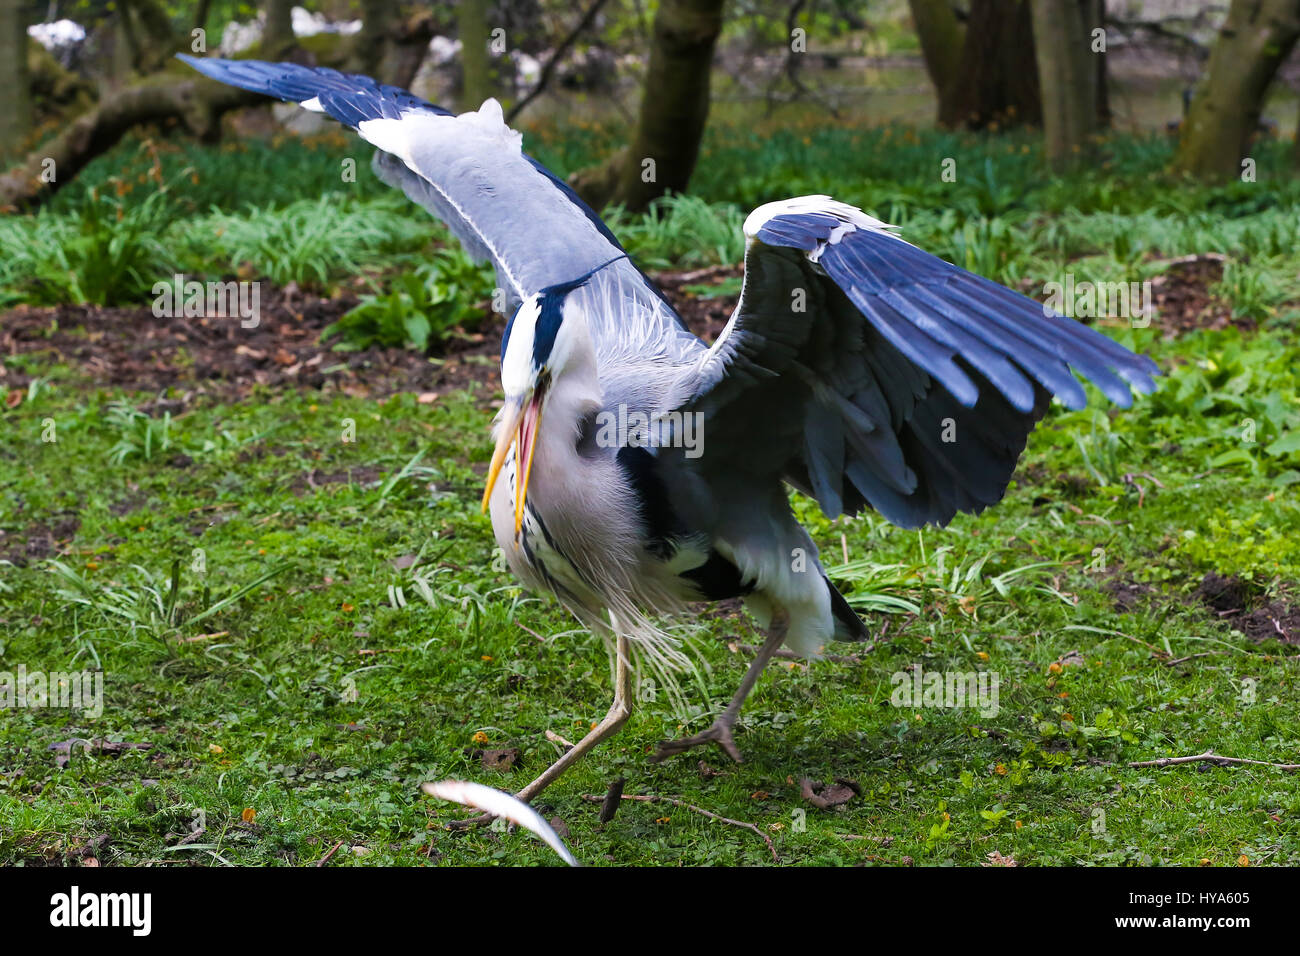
[720,732]
[619,712]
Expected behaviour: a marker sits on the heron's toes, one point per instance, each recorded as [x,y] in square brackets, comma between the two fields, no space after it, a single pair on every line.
[719,733]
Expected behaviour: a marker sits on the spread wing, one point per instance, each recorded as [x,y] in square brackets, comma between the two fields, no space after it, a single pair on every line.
[870,373]
[472,173]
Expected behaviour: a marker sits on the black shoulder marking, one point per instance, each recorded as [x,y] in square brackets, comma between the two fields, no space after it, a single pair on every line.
[718,579]
[662,524]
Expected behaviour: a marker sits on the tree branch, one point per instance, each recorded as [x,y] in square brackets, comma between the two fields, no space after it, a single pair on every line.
[1211,757]
[554,60]
[653,798]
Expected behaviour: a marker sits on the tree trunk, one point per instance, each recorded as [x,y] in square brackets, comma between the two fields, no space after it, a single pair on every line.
[1067,78]
[1095,19]
[941,39]
[277,35]
[1295,154]
[406,46]
[15,94]
[201,12]
[378,19]
[1224,115]
[675,104]
[149,33]
[997,79]
[476,79]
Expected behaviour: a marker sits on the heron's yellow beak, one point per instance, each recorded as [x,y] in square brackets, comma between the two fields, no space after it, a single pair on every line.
[520,422]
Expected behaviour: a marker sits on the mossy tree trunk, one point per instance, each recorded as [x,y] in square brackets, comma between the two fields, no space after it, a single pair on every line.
[15,90]
[674,104]
[198,103]
[941,39]
[1067,78]
[997,78]
[1094,18]
[378,20]
[1224,115]
[277,35]
[476,70]
[1295,151]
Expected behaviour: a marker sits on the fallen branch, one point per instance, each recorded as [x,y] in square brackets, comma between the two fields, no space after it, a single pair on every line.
[1191,657]
[198,104]
[325,859]
[1211,757]
[555,738]
[673,801]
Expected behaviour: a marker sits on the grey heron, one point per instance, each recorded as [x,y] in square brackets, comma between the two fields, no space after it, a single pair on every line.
[856,368]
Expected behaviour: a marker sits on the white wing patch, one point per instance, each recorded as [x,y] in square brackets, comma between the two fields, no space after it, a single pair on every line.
[485,127]
[851,219]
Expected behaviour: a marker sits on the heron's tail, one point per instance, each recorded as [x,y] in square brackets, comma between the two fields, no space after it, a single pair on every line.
[848,626]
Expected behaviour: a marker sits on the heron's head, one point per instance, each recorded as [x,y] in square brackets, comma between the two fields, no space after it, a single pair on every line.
[546,342]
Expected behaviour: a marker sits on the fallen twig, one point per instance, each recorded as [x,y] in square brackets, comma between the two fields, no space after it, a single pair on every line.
[325,859]
[673,801]
[1191,657]
[1211,757]
[555,738]
[532,632]
[681,278]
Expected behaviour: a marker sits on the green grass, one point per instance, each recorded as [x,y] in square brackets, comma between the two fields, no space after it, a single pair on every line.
[249,626]
[235,570]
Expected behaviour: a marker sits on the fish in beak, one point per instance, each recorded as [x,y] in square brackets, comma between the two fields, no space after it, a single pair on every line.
[520,420]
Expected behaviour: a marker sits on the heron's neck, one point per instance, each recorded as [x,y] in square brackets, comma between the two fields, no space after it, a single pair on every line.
[575,389]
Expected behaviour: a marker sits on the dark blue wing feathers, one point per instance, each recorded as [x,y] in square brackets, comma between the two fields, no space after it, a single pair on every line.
[921,381]
[874,267]
[350,99]
[355,97]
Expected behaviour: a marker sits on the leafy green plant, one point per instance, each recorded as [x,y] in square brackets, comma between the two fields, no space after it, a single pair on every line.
[311,241]
[110,251]
[139,436]
[681,232]
[419,309]
[150,604]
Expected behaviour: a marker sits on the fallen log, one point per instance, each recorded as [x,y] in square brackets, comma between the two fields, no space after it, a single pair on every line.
[197,103]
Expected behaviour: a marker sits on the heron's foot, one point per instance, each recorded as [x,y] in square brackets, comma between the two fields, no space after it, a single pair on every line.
[719,733]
